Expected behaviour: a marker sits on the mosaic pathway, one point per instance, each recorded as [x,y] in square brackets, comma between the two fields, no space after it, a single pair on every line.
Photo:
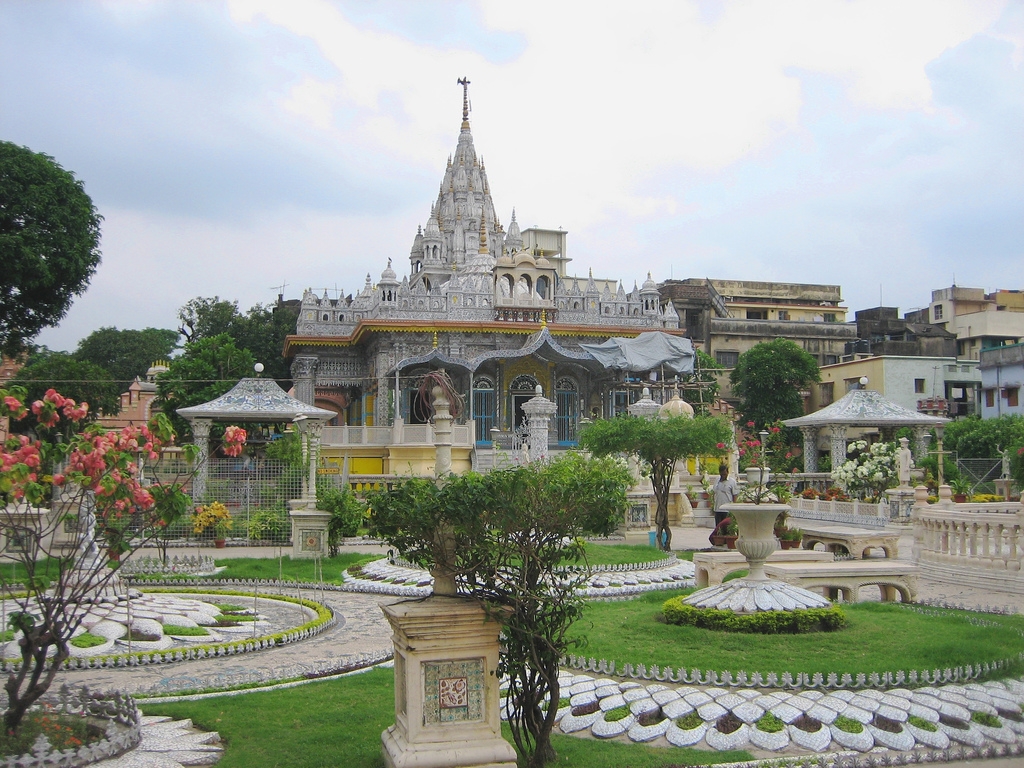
[811,721]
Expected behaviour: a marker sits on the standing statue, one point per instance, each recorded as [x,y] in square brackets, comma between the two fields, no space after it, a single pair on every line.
[1005,456]
[906,462]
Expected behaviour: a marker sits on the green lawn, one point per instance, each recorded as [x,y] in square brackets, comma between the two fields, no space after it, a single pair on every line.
[339,722]
[620,554]
[880,637]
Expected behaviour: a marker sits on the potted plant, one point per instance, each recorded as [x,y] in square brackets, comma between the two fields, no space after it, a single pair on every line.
[212,517]
[961,488]
[730,533]
[790,538]
[781,523]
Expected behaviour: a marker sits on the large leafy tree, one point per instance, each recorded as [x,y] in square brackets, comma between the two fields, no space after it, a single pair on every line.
[128,353]
[659,444]
[976,438]
[768,378]
[207,369]
[261,330]
[78,379]
[508,535]
[49,243]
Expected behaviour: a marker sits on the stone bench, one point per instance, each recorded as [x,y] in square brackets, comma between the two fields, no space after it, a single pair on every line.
[848,577]
[856,541]
[712,567]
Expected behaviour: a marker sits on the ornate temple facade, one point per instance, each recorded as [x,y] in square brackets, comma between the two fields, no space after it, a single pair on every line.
[493,307]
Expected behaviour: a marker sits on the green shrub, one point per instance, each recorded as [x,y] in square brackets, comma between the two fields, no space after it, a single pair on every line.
[614,715]
[347,514]
[764,623]
[769,723]
[690,721]
[87,640]
[984,718]
[848,724]
[270,524]
[924,725]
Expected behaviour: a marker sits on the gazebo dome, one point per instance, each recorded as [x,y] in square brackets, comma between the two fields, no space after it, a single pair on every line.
[675,407]
[255,400]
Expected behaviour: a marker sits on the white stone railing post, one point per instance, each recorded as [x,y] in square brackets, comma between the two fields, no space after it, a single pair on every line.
[539,412]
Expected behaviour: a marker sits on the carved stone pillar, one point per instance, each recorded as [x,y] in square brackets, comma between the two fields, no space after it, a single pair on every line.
[201,436]
[810,448]
[314,431]
[837,434]
[442,434]
[304,376]
[539,411]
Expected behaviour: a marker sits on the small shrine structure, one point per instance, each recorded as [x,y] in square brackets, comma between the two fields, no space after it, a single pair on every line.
[857,409]
[260,401]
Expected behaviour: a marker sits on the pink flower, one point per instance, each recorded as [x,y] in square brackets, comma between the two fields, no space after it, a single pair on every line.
[750,424]
[720,446]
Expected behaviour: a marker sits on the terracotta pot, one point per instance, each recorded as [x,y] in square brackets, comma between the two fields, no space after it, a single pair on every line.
[220,543]
[960,498]
[730,541]
[718,540]
[789,543]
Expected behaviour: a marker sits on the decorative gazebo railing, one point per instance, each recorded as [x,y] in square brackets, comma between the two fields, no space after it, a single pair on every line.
[979,543]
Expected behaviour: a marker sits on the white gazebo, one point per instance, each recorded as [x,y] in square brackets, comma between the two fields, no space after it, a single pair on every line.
[263,401]
[859,408]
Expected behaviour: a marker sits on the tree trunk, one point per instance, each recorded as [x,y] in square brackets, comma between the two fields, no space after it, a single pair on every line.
[661,480]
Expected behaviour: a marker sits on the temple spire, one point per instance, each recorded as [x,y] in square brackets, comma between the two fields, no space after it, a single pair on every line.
[464,82]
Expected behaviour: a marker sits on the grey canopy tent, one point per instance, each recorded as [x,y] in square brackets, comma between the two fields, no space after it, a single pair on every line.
[647,352]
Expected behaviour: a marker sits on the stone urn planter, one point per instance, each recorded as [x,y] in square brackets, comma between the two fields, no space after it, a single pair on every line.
[757,533]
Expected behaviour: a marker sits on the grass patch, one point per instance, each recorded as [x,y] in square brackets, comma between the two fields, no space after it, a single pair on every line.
[690,721]
[301,569]
[848,724]
[175,629]
[622,554]
[230,608]
[922,724]
[769,723]
[349,713]
[736,575]
[984,718]
[614,715]
[632,631]
[87,640]
[232,619]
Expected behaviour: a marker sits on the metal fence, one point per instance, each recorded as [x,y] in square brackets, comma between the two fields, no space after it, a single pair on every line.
[255,491]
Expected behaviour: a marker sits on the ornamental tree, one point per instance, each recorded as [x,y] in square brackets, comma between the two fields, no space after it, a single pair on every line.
[507,536]
[659,444]
[68,507]
[49,243]
[768,378]
[128,353]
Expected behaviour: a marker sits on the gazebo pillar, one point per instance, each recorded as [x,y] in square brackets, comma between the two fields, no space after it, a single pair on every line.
[837,435]
[201,436]
[920,442]
[304,375]
[810,448]
[309,524]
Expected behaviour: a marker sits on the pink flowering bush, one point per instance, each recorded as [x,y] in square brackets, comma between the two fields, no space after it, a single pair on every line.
[46,488]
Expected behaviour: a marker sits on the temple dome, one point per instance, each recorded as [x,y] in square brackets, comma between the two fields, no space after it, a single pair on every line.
[675,407]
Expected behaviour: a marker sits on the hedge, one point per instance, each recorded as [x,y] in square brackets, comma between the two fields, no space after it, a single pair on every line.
[763,623]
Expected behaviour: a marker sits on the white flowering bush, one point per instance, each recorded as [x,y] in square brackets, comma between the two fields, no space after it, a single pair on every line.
[869,470]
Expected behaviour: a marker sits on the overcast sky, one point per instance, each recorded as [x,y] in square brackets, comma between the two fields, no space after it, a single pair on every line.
[233,147]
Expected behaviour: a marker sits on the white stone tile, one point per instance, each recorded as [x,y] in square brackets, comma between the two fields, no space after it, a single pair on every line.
[582,699]
[901,741]
[605,730]
[773,742]
[644,733]
[635,694]
[574,723]
[697,698]
[677,737]
[676,709]
[815,742]
[893,713]
[748,712]
[858,714]
[861,742]
[972,737]
[865,703]
[785,712]
[934,739]
[664,697]
[711,711]
[642,706]
[724,741]
[729,700]
[824,714]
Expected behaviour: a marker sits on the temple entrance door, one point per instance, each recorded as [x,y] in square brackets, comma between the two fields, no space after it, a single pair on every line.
[523,388]
[567,399]
[483,408]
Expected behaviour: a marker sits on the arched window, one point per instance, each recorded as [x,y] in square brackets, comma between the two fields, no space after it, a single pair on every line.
[523,387]
[543,285]
[326,317]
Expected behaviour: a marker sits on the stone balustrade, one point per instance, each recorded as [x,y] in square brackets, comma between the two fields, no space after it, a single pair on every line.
[980,542]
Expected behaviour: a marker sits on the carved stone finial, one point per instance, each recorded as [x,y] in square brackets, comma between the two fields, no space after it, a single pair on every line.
[464,82]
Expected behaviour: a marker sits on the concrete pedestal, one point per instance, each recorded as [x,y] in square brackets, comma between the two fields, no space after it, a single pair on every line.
[901,501]
[446,687]
[309,530]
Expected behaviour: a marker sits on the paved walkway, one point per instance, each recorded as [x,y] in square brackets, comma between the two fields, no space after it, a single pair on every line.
[362,630]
